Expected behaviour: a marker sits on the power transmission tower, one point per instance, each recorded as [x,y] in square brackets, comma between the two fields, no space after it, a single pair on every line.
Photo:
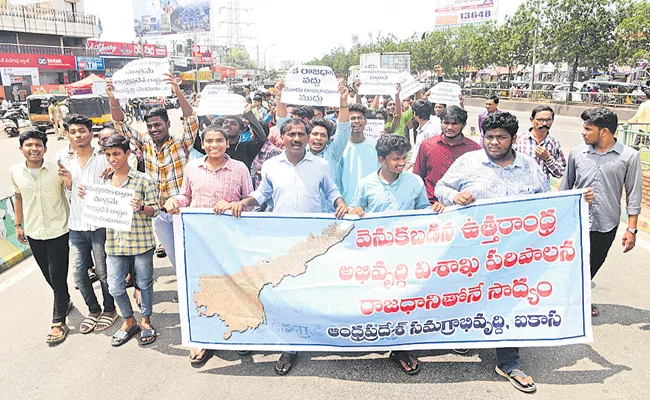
[234,38]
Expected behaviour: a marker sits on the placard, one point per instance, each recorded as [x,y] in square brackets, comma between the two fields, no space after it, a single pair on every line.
[374,128]
[142,78]
[108,207]
[311,85]
[378,81]
[445,93]
[409,85]
[215,100]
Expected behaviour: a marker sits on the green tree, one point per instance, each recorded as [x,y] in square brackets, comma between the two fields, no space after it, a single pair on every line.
[512,43]
[238,59]
[633,33]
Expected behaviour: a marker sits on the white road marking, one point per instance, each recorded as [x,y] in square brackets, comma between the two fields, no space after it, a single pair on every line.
[18,277]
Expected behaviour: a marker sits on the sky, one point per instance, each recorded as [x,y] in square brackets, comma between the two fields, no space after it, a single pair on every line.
[298,33]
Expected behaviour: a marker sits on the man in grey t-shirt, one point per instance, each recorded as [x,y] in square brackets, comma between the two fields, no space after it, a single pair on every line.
[606,166]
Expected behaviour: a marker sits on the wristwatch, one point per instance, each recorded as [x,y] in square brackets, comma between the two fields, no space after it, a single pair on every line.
[634,231]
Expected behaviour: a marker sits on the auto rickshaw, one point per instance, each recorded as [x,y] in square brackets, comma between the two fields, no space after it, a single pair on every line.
[38,104]
[93,106]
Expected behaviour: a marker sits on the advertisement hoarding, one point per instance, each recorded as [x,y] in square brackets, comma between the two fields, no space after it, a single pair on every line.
[40,61]
[450,13]
[120,49]
[90,64]
[167,17]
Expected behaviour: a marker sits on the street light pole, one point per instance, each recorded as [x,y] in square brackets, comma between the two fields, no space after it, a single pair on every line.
[267,47]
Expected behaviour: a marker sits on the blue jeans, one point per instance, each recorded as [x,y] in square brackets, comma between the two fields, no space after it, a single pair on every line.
[82,243]
[118,267]
[508,359]
[163,225]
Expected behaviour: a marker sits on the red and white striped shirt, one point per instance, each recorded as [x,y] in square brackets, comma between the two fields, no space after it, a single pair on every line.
[203,187]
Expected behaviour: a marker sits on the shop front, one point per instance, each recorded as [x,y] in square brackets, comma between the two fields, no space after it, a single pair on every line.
[20,72]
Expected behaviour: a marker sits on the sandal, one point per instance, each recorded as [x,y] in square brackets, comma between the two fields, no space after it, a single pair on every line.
[160,252]
[147,337]
[285,363]
[58,338]
[529,388]
[200,361]
[88,325]
[594,311]
[120,337]
[105,322]
[93,277]
[403,359]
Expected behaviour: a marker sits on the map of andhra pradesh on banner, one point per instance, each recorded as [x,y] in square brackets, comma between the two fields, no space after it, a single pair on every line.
[445,93]
[499,273]
[142,78]
[378,81]
[311,85]
[108,207]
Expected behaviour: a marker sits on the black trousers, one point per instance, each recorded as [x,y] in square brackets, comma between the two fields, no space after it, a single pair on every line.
[52,257]
[600,244]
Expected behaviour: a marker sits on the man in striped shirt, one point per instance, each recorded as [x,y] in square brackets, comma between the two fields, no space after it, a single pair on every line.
[540,145]
[86,167]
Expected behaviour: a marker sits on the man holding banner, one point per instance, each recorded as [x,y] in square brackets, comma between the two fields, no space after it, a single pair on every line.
[496,171]
[165,156]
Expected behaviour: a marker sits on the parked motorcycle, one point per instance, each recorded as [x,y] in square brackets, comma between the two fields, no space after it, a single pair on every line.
[10,127]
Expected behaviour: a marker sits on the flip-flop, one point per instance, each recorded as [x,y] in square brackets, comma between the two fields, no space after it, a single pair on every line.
[88,325]
[105,322]
[58,339]
[286,361]
[511,378]
[146,334]
[398,356]
[120,337]
[199,362]
[93,277]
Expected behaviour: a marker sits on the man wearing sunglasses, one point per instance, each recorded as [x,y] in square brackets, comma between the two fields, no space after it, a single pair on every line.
[539,144]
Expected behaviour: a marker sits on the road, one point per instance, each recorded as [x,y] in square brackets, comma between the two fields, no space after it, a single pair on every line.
[615,366]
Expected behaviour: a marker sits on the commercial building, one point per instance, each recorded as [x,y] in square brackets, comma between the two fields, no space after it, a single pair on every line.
[40,44]
[117,54]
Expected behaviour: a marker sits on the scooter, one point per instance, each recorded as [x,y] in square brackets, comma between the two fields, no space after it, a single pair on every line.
[10,127]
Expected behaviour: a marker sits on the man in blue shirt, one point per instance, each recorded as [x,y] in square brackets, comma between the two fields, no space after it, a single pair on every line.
[294,180]
[393,189]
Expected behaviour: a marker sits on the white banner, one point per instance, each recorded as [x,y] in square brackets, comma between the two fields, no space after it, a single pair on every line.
[217,102]
[311,85]
[99,88]
[374,128]
[378,81]
[108,207]
[445,93]
[409,85]
[142,78]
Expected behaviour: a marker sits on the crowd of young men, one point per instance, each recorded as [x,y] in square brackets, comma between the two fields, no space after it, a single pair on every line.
[320,163]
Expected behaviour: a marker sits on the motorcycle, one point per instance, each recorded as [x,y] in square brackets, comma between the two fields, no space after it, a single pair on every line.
[10,127]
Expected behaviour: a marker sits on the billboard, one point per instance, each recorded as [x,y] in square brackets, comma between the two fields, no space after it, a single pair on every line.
[40,61]
[90,64]
[451,13]
[167,17]
[127,49]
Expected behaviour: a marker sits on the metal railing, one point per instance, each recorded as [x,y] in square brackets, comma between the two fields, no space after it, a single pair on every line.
[54,50]
[46,14]
[635,136]
[561,97]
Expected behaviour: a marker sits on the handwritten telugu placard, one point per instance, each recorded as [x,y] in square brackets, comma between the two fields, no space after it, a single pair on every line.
[311,85]
[108,207]
[445,93]
[144,77]
[498,273]
[374,129]
[215,100]
[409,85]
[378,81]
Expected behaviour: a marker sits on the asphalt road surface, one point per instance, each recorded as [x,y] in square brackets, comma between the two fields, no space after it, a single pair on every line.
[615,366]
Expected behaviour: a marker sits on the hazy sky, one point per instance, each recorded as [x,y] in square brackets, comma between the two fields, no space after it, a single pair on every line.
[298,32]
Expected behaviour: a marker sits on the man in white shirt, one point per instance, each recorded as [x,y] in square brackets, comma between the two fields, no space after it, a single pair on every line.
[429,125]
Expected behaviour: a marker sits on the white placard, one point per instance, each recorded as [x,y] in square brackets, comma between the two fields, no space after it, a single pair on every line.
[108,207]
[142,78]
[311,85]
[445,93]
[220,103]
[409,85]
[378,81]
[374,128]
[99,88]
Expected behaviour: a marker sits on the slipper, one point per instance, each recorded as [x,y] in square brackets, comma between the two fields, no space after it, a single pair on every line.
[147,334]
[56,339]
[105,322]
[399,356]
[285,363]
[160,252]
[93,277]
[510,377]
[594,311]
[88,325]
[199,362]
[120,337]
[243,352]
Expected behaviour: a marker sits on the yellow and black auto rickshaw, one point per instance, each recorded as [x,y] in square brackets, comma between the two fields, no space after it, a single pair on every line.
[93,106]
[38,104]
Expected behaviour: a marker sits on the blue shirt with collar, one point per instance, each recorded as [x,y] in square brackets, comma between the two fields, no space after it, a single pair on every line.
[407,192]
